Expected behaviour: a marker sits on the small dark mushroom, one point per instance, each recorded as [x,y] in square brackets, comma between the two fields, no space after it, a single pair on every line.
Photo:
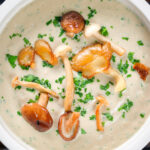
[72,22]
[37,115]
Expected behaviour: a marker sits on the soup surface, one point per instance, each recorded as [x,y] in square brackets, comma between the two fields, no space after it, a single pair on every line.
[124,28]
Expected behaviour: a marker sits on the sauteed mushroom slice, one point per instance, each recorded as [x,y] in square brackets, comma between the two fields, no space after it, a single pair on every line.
[37,115]
[72,22]
[95,59]
[16,82]
[102,101]
[142,70]
[61,52]
[26,57]
[68,125]
[92,30]
[120,81]
[43,49]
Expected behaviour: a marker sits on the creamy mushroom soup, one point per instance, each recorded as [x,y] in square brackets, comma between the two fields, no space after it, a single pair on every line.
[127,110]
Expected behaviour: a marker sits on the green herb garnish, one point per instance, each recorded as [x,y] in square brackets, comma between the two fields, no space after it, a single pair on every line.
[83,131]
[108,116]
[12,60]
[92,12]
[121,92]
[113,58]
[64,40]
[40,36]
[56,21]
[15,35]
[142,115]
[30,89]
[46,64]
[83,112]
[93,117]
[31,101]
[140,43]
[51,38]
[60,80]
[104,31]
[104,87]
[49,22]
[26,41]
[123,68]
[131,58]
[19,113]
[125,38]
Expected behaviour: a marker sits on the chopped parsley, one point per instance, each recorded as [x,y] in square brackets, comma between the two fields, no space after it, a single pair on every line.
[30,89]
[108,93]
[35,79]
[60,80]
[92,12]
[18,87]
[113,58]
[26,42]
[88,97]
[12,60]
[83,112]
[51,38]
[56,21]
[51,99]
[87,22]
[46,64]
[131,58]
[64,40]
[40,36]
[125,107]
[77,109]
[125,38]
[123,68]
[62,31]
[31,101]
[57,131]
[19,113]
[104,87]
[129,75]
[24,67]
[77,36]
[93,117]
[140,43]
[108,116]
[15,35]
[49,22]
[104,31]
[121,92]
[142,115]
[83,131]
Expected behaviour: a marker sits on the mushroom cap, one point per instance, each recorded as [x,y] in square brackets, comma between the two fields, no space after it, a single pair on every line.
[62,50]
[72,22]
[37,116]
[61,127]
[91,29]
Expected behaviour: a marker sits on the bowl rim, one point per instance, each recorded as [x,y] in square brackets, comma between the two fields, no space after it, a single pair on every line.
[7,10]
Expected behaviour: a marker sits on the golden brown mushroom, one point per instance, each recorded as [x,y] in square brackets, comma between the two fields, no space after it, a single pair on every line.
[95,59]
[16,82]
[101,101]
[37,115]
[43,49]
[26,57]
[68,125]
[92,30]
[72,22]
[69,121]
[142,70]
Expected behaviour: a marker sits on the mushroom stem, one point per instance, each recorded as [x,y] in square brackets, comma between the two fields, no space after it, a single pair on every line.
[43,100]
[61,52]
[69,124]
[120,82]
[93,30]
[16,82]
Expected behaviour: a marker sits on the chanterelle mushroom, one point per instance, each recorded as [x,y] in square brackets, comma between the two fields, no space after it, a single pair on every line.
[16,82]
[61,52]
[92,30]
[37,115]
[95,59]
[26,57]
[69,121]
[101,101]
[72,22]
[43,49]
[142,70]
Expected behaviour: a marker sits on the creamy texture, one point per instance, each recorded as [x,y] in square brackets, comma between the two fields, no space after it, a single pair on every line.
[29,22]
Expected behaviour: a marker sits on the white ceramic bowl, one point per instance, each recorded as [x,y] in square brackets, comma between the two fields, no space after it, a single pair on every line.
[139,140]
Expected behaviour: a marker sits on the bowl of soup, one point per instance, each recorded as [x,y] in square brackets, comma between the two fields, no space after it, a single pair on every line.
[74,74]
